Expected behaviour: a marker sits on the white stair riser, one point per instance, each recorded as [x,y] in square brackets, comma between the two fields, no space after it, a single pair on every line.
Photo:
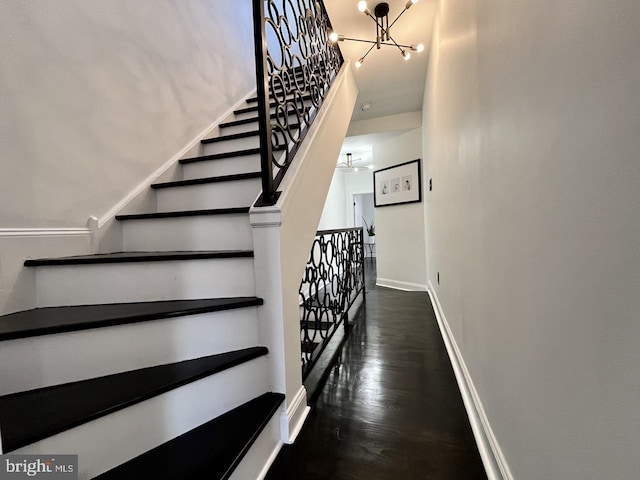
[264,449]
[239,193]
[201,232]
[129,432]
[225,166]
[243,127]
[36,362]
[227,146]
[144,281]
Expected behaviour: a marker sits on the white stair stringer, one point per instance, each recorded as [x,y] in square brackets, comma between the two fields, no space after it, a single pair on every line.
[111,440]
[290,226]
[147,281]
[225,166]
[42,361]
[198,232]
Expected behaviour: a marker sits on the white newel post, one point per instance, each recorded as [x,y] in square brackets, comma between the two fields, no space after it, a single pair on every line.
[278,319]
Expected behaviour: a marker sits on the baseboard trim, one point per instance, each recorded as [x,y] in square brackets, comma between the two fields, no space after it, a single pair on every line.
[270,460]
[493,459]
[292,419]
[44,232]
[398,285]
[142,186]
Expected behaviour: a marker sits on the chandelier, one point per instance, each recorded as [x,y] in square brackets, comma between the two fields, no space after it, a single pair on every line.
[380,16]
[352,164]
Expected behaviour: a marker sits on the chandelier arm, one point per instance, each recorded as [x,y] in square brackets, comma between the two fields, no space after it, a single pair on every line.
[375,20]
[399,47]
[373,42]
[368,51]
[397,18]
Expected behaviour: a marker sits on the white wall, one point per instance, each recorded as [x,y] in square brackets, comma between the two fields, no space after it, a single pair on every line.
[400,236]
[532,115]
[334,214]
[95,95]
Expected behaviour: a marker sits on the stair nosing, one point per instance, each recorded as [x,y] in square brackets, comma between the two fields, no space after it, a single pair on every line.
[224,155]
[253,438]
[206,180]
[139,257]
[232,136]
[242,121]
[275,103]
[237,357]
[184,213]
[227,303]
[265,405]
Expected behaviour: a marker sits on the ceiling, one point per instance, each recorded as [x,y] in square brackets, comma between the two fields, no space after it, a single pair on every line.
[391,84]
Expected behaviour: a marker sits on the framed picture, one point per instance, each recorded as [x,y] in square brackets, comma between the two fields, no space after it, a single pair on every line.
[398,184]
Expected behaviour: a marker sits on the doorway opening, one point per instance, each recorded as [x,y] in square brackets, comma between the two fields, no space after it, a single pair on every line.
[364,216]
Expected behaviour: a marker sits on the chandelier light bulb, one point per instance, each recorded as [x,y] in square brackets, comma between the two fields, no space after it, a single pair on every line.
[333,36]
[420,48]
[359,63]
[362,6]
[406,55]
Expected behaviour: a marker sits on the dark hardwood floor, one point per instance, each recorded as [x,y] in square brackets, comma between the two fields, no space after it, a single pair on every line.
[391,408]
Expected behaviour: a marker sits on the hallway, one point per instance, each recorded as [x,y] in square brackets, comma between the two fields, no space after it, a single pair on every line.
[391,408]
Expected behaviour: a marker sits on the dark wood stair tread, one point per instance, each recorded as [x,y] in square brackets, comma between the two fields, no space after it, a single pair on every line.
[27,417]
[309,347]
[233,136]
[212,450]
[50,320]
[254,108]
[313,325]
[235,123]
[203,181]
[275,103]
[246,121]
[220,156]
[184,213]
[225,155]
[132,257]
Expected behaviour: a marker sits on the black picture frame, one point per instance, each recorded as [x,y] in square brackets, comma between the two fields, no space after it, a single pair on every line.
[398,185]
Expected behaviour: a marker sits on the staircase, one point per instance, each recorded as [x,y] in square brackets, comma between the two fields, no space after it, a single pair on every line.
[147,362]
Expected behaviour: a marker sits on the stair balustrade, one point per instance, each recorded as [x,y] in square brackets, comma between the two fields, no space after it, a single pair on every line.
[295,66]
[333,279]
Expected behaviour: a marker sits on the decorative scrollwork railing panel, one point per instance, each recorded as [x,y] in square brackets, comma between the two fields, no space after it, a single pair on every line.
[333,278]
[295,66]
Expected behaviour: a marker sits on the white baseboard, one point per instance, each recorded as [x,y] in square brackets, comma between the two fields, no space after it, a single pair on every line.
[44,232]
[493,459]
[142,186]
[270,460]
[398,285]
[292,419]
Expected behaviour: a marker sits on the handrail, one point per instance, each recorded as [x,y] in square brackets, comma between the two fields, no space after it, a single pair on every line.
[295,66]
[333,279]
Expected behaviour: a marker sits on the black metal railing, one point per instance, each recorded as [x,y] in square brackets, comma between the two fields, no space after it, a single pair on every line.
[333,279]
[295,66]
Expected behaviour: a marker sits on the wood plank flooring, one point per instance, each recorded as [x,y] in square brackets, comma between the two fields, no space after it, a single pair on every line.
[391,408]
